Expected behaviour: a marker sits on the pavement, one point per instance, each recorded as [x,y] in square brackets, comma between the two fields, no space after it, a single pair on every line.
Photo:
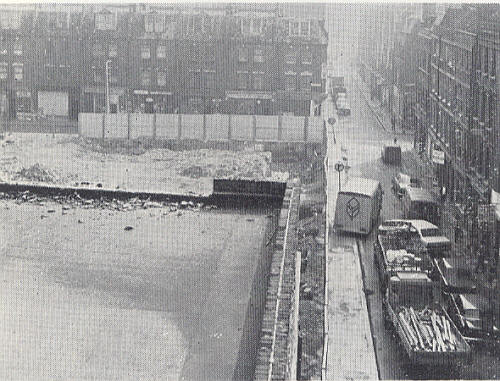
[380,113]
[350,351]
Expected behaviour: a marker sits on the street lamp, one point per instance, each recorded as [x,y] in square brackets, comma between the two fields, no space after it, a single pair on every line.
[107,86]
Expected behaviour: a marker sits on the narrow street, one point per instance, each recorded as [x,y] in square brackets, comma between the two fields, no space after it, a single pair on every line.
[362,137]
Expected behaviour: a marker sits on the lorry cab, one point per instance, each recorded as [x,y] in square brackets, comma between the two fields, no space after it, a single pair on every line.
[412,289]
[358,205]
[421,204]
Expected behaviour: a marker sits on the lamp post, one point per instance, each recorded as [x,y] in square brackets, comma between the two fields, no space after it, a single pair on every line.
[107,86]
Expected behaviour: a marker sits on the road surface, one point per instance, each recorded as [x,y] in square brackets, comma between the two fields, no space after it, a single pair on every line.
[362,138]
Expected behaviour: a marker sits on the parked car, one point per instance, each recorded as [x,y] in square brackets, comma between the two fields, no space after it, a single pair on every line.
[429,234]
[436,243]
[401,182]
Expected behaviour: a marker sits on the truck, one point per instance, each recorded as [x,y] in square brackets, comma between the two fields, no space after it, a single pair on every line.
[400,251]
[358,205]
[412,307]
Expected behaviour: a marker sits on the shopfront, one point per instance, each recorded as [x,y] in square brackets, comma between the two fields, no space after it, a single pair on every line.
[23,102]
[94,100]
[152,102]
[250,103]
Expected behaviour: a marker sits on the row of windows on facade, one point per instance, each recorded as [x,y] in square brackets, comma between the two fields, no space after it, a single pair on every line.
[207,79]
[202,24]
[454,135]
[455,96]
[196,79]
[157,23]
[99,50]
[456,58]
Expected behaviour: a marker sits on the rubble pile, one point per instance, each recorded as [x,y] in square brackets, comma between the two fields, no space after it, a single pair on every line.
[35,173]
[76,201]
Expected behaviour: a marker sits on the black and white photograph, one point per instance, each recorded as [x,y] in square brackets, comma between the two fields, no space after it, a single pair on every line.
[249,190]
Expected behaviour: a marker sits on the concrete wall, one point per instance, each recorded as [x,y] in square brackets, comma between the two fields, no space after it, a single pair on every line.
[167,126]
[192,126]
[141,126]
[293,128]
[217,127]
[115,125]
[266,127]
[90,125]
[315,129]
[210,127]
[242,127]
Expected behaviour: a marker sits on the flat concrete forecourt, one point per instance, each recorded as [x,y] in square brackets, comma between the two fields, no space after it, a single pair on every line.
[84,298]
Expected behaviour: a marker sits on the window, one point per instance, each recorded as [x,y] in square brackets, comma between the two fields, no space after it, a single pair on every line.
[18,48]
[10,20]
[306,57]
[245,26]
[146,77]
[161,78]
[148,23]
[305,81]
[98,75]
[290,58]
[113,50]
[258,81]
[242,80]
[294,28]
[194,25]
[209,79]
[145,52]
[113,76]
[58,20]
[98,50]
[208,26]
[242,54]
[3,46]
[18,71]
[290,82]
[195,80]
[3,70]
[105,21]
[257,26]
[159,23]
[304,28]
[258,54]
[161,51]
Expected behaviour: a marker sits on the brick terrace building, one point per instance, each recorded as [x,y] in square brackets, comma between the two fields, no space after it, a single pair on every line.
[205,58]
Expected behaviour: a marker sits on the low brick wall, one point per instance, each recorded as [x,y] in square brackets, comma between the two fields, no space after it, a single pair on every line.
[277,355]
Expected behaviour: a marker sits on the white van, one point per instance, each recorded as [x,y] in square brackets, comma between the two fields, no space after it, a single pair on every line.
[358,205]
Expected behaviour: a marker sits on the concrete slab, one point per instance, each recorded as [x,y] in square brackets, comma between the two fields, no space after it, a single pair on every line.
[350,346]
[84,298]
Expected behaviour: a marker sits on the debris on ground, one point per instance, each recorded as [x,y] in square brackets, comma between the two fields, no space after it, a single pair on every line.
[123,205]
[35,173]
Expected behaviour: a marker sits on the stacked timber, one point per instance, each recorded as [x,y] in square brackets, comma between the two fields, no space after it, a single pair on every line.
[429,330]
